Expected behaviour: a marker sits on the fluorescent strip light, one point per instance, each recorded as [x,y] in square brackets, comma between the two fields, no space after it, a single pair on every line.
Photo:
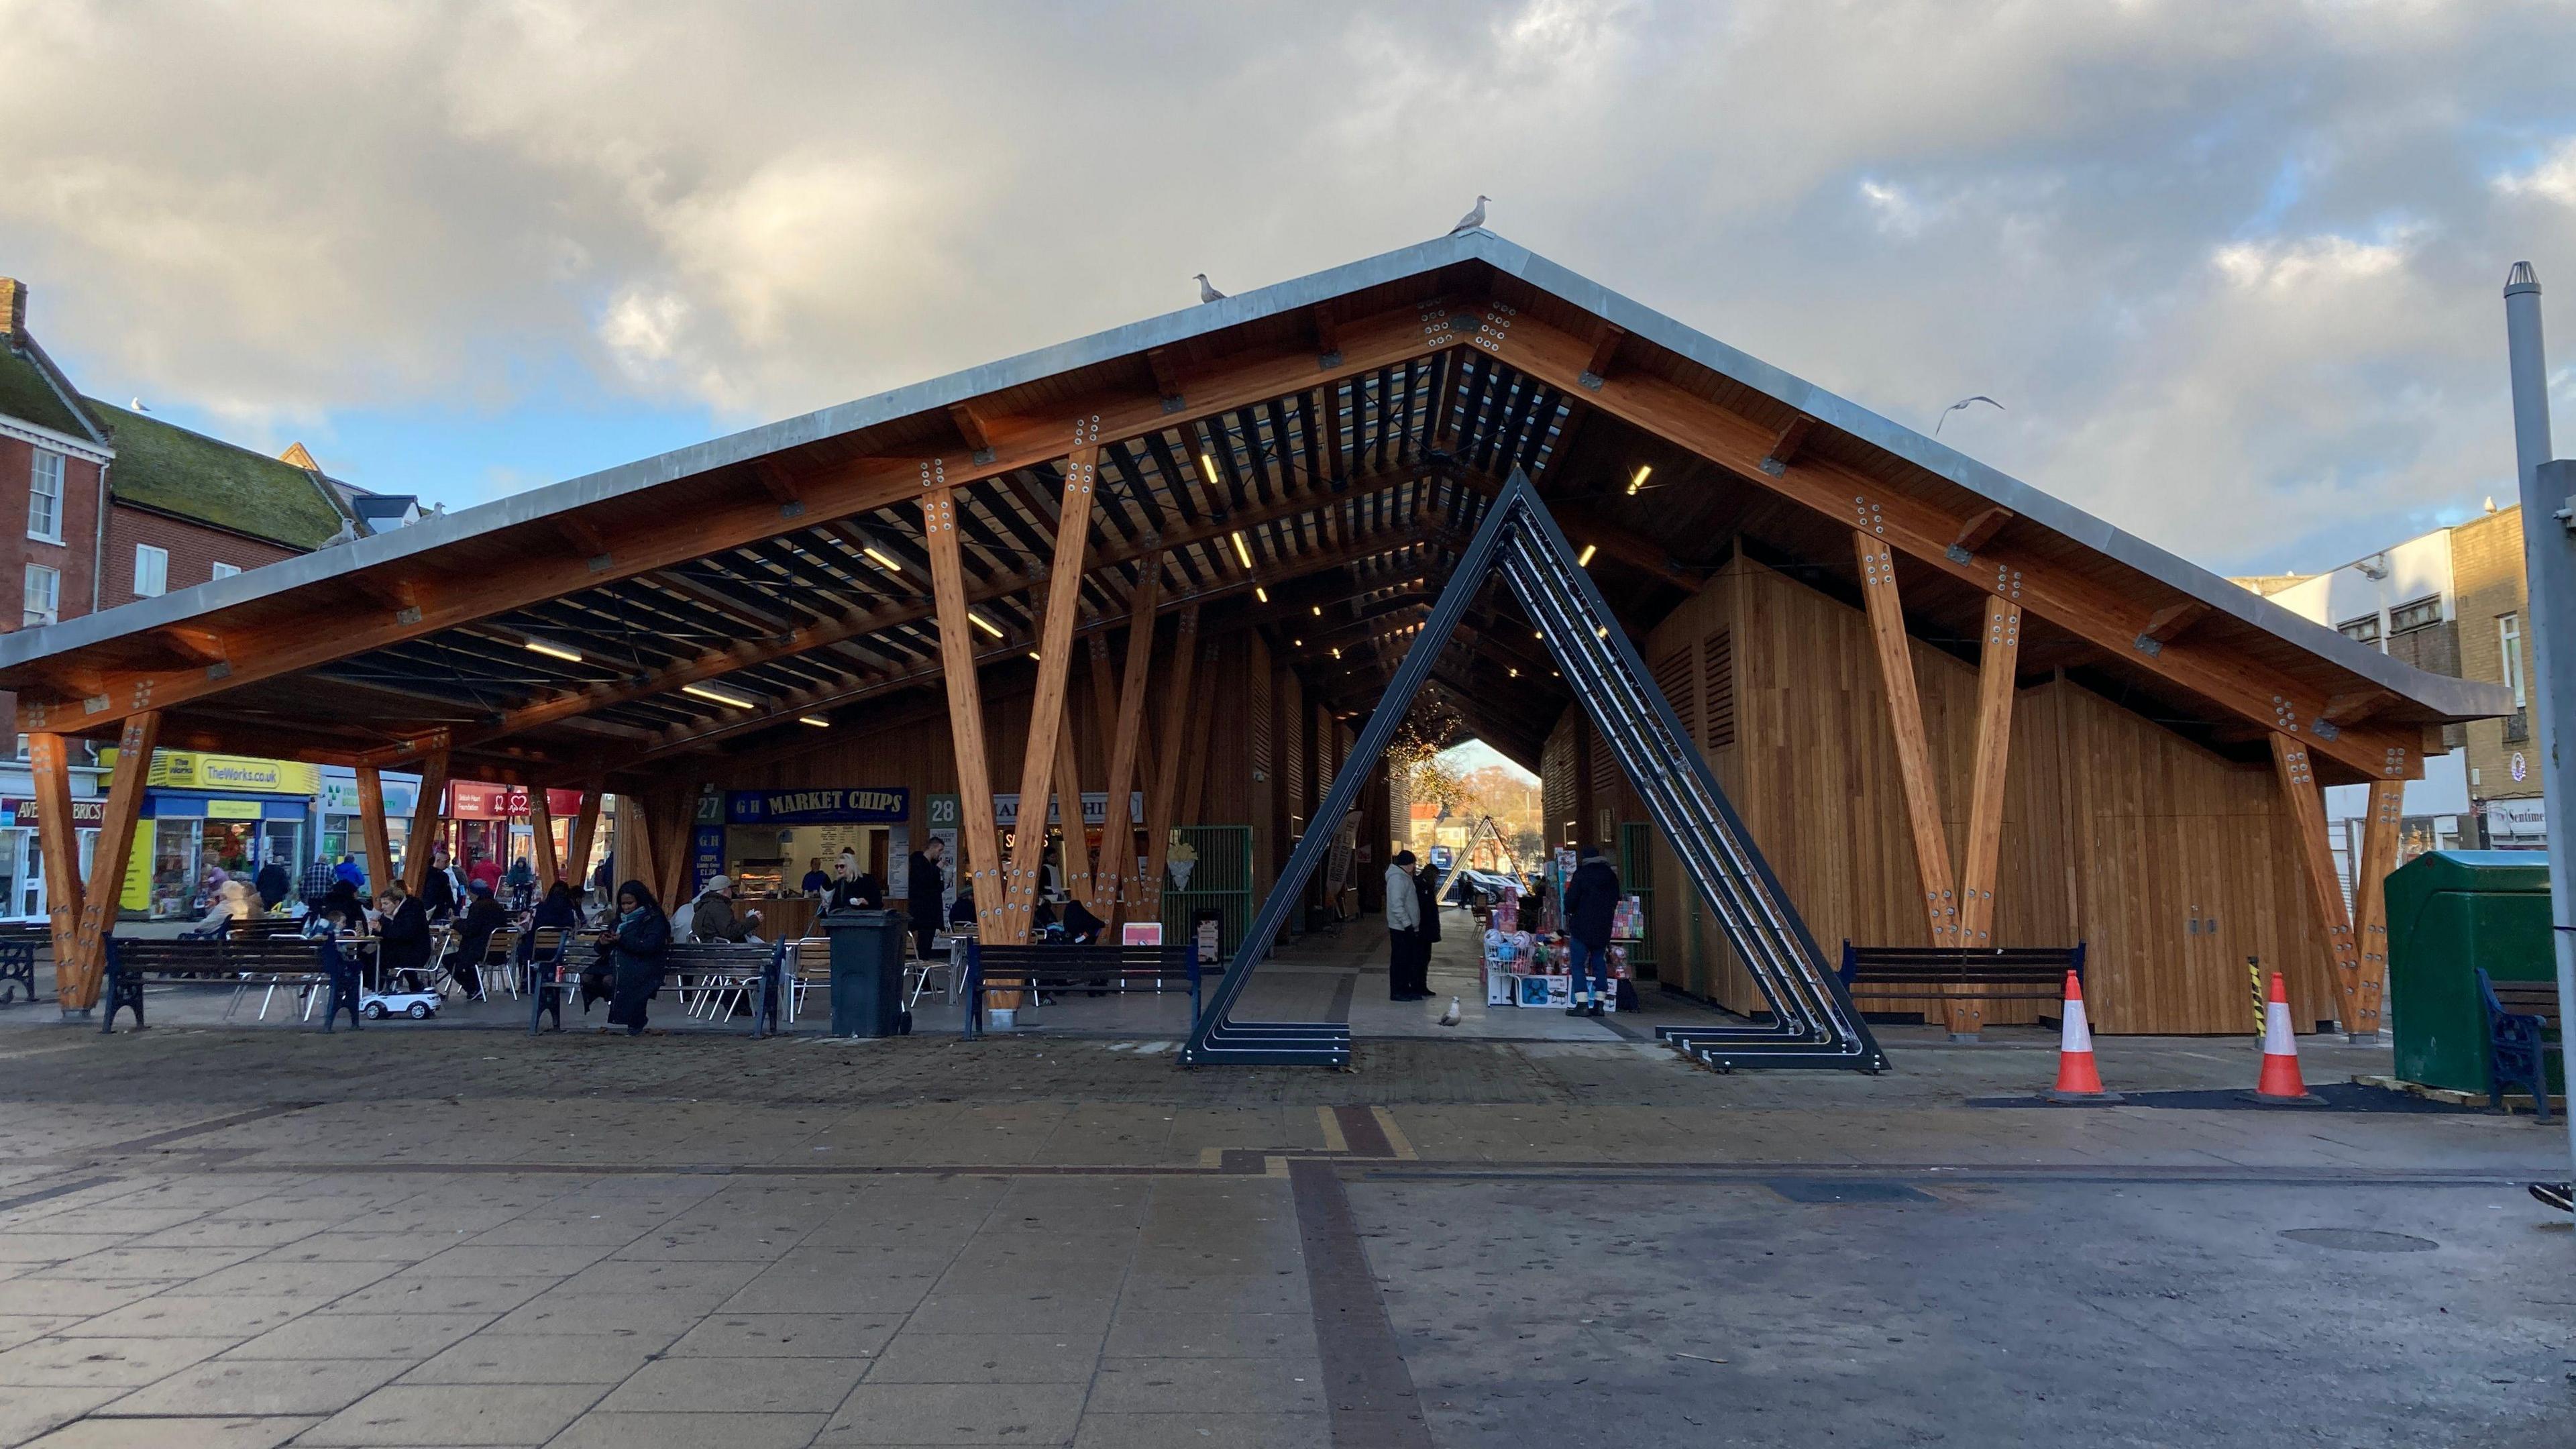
[554,651]
[1033,654]
[1583,560]
[816,720]
[1240,551]
[1261,593]
[1640,480]
[889,565]
[984,624]
[1516,674]
[1207,465]
[722,697]
[1318,608]
[1337,651]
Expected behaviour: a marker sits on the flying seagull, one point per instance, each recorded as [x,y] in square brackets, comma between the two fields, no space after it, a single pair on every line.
[1473,219]
[1206,292]
[1963,402]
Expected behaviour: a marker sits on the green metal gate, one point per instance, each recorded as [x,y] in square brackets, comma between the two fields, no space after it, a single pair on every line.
[1220,880]
[1637,874]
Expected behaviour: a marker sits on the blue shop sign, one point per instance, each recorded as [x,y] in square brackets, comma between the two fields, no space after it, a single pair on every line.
[817,807]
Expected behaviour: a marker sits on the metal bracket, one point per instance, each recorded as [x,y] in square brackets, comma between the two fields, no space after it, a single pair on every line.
[1958,555]
[791,509]
[410,615]
[983,455]
[1590,381]
[2324,730]
[2149,647]
[1326,362]
[1173,403]
[219,670]
[600,563]
[1772,466]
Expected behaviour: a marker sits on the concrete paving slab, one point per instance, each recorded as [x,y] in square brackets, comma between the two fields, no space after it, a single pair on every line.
[602,1430]
[738,1385]
[545,1358]
[985,1358]
[103,1362]
[787,1335]
[261,1387]
[910,1414]
[427,1416]
[254,1432]
[406,1336]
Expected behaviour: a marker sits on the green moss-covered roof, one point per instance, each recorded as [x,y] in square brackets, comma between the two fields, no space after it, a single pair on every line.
[26,396]
[174,470]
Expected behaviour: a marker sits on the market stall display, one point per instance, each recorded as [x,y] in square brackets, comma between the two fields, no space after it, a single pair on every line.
[1528,968]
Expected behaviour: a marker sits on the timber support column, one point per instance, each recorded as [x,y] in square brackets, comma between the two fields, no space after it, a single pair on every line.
[427,812]
[585,830]
[1046,706]
[379,837]
[1118,826]
[2306,806]
[58,837]
[105,893]
[2370,904]
[1980,864]
[1162,803]
[982,869]
[541,832]
[1913,758]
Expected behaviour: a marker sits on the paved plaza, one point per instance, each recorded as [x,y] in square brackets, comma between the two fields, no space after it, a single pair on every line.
[1527,1231]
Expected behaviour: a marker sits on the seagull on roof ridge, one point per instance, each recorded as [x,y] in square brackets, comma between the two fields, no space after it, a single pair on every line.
[1963,402]
[1208,293]
[1473,219]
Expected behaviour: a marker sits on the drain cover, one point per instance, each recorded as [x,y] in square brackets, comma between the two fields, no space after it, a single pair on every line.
[2360,1240]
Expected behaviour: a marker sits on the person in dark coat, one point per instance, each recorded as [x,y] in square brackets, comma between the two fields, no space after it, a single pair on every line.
[342,908]
[483,915]
[545,978]
[1426,893]
[343,970]
[635,946]
[438,887]
[1081,927]
[961,911]
[402,935]
[854,889]
[713,918]
[1591,900]
[274,883]
[924,886]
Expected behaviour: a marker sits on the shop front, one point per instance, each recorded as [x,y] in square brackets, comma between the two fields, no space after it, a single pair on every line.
[771,838]
[344,829]
[492,822]
[22,860]
[203,813]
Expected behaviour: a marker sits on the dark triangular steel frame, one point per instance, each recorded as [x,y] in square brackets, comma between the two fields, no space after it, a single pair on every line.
[1813,1023]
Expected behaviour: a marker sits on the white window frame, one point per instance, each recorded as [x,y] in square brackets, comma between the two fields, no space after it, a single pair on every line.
[159,558]
[2509,636]
[223,570]
[45,487]
[50,610]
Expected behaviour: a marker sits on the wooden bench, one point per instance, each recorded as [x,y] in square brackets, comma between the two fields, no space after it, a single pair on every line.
[2522,1016]
[1059,968]
[18,946]
[133,964]
[1998,973]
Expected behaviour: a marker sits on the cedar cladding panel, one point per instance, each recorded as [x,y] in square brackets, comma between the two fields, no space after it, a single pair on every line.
[2171,863]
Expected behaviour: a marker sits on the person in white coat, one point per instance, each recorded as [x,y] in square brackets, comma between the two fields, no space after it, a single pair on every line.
[1407,963]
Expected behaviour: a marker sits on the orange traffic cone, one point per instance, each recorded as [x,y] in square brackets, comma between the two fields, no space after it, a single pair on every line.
[2280,1081]
[2078,1080]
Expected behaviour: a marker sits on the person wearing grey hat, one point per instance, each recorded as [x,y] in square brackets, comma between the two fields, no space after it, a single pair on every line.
[1407,959]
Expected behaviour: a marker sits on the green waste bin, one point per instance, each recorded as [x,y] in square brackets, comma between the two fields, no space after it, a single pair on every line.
[2449,913]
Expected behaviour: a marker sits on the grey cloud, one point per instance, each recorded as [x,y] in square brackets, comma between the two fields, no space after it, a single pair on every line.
[2080,209]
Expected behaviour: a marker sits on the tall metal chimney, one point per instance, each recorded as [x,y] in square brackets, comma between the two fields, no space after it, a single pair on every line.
[2549,562]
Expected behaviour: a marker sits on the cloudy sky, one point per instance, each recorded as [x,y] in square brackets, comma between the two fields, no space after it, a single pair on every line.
[2233,268]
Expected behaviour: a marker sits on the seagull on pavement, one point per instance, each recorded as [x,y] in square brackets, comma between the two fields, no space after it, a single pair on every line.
[1473,219]
[1206,292]
[1963,402]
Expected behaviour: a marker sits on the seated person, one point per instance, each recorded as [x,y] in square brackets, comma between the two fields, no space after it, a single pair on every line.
[233,902]
[483,915]
[402,932]
[1081,927]
[711,918]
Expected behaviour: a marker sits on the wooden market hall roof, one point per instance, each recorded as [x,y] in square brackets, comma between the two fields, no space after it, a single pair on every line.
[1346,428]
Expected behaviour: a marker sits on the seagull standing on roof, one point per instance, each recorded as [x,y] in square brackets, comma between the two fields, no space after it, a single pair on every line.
[1963,402]
[1208,293]
[1473,219]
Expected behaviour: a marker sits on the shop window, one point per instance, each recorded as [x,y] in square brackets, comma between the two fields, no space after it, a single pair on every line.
[1717,685]
[151,571]
[2509,636]
[2416,615]
[44,595]
[2364,630]
[45,498]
